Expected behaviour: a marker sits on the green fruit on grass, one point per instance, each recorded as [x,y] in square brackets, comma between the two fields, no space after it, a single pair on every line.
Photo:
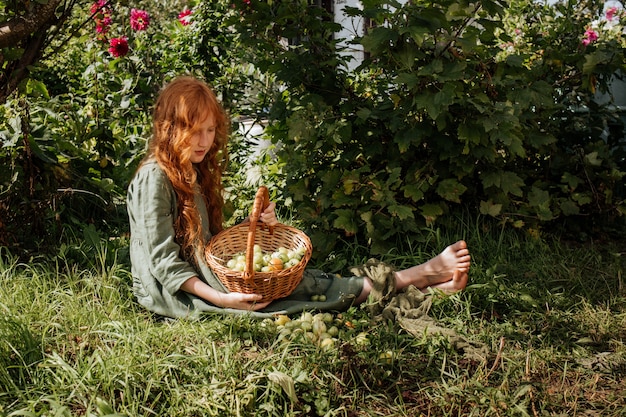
[327,343]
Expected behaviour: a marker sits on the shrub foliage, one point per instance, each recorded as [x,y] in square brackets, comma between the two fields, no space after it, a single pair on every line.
[487,105]
[503,109]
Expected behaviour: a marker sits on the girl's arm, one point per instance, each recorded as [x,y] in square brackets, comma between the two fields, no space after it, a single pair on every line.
[239,301]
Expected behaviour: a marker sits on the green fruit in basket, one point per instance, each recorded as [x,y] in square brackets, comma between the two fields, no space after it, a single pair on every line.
[281,258]
[290,263]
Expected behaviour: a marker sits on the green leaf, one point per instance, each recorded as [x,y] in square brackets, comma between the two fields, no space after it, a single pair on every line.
[413,192]
[369,224]
[571,180]
[454,71]
[538,139]
[363,113]
[91,236]
[538,197]
[348,185]
[435,104]
[468,132]
[489,208]
[345,220]
[507,181]
[592,159]
[431,212]
[402,212]
[569,208]
[408,79]
[451,190]
[515,61]
[13,54]
[417,33]
[595,58]
[406,138]
[34,88]
[540,200]
[433,67]
[378,40]
[582,198]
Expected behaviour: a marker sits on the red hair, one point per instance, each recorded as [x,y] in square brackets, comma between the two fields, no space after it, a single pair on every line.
[181,107]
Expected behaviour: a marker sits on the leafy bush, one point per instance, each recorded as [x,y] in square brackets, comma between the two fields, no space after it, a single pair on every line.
[489,106]
[502,111]
[75,132]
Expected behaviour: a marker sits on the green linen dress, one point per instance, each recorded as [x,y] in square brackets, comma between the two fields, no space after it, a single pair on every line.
[159,271]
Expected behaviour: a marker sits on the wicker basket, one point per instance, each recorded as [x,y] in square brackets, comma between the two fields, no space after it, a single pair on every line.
[242,238]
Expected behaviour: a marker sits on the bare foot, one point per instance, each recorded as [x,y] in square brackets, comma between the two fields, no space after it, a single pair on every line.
[438,270]
[457,283]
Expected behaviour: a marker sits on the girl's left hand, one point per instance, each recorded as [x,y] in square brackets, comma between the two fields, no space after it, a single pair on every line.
[268,216]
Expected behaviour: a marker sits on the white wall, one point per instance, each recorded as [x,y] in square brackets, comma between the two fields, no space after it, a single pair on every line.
[352,27]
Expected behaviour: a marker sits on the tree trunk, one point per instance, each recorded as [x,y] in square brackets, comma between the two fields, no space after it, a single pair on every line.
[29,33]
[13,32]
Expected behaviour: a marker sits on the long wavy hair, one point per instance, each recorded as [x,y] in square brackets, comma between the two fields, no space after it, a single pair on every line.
[181,107]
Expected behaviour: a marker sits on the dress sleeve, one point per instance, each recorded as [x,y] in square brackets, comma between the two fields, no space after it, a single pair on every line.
[155,255]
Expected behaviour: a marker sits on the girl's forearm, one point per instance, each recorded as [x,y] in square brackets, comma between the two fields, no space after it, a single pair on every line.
[197,287]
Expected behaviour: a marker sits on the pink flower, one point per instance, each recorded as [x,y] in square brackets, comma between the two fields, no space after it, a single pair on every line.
[589,37]
[184,17]
[610,13]
[118,46]
[139,19]
[99,4]
[246,2]
[102,28]
[101,15]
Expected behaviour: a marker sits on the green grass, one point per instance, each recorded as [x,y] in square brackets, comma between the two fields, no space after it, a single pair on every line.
[73,342]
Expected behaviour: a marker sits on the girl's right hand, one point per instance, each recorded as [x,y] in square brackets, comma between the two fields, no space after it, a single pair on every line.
[240,301]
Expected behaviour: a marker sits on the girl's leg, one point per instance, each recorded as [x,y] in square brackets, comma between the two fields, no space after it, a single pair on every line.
[447,271]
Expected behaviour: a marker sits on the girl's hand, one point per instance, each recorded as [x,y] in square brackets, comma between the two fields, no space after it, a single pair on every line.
[240,301]
[234,300]
[268,216]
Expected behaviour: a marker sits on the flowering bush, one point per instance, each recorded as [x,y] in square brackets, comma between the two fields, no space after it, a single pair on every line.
[102,14]
[84,117]
[607,28]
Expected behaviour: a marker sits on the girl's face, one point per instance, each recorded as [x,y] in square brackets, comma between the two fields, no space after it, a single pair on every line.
[202,139]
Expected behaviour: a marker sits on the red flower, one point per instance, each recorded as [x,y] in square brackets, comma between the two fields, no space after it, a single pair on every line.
[139,19]
[183,17]
[118,46]
[247,2]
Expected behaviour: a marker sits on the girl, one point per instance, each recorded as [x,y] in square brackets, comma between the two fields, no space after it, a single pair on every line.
[175,205]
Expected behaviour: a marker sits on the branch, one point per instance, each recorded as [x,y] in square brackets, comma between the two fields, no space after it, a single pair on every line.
[16,30]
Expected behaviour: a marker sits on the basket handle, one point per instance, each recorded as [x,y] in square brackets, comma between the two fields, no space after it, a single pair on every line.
[261,201]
